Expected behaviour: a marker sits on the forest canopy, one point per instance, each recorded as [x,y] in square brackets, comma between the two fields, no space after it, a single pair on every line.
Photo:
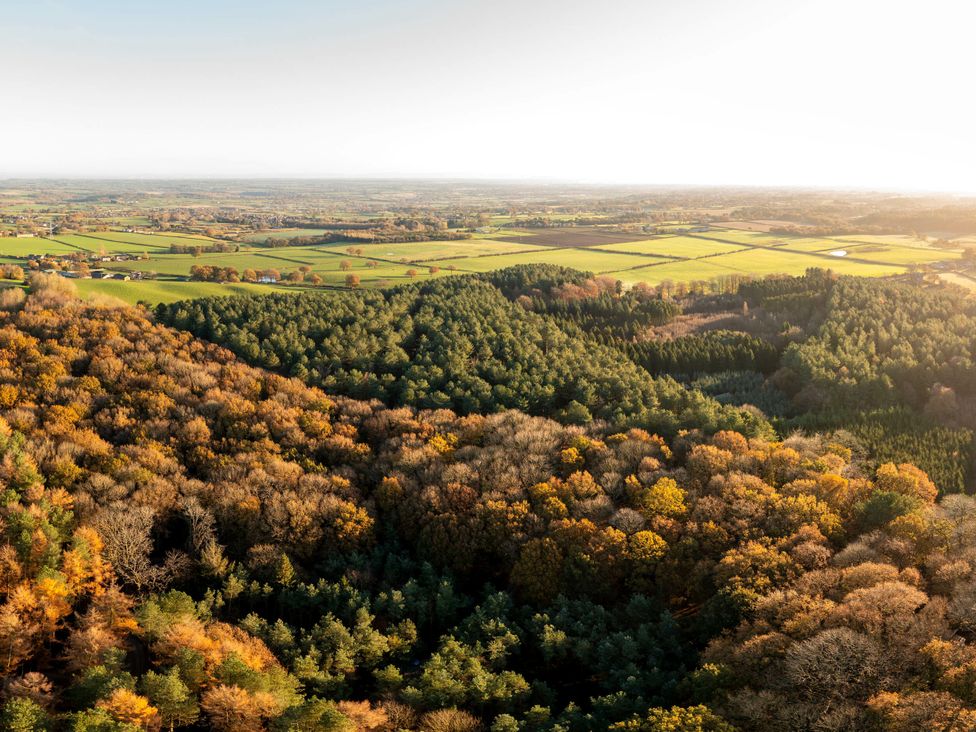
[462,344]
[191,542]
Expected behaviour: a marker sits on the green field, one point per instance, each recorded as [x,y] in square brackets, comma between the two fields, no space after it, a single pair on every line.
[896,239]
[765,262]
[496,233]
[805,244]
[153,240]
[746,237]
[102,244]
[431,249]
[577,258]
[169,291]
[898,254]
[260,236]
[11,247]
[673,246]
[678,258]
[679,271]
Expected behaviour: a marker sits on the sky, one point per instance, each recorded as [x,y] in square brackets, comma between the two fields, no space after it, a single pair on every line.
[836,93]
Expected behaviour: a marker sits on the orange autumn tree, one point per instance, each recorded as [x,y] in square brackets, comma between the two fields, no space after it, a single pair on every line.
[47,564]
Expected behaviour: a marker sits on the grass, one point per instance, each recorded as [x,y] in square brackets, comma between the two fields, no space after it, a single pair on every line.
[686,271]
[693,258]
[762,262]
[577,258]
[673,246]
[12,247]
[899,255]
[103,244]
[746,237]
[811,244]
[521,233]
[895,239]
[156,240]
[180,264]
[158,291]
[260,236]
[430,249]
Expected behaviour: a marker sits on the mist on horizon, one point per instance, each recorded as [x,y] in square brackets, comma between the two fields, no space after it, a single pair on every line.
[763,93]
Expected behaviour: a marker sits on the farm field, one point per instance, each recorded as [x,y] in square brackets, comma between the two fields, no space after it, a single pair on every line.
[677,271]
[806,244]
[629,257]
[962,280]
[582,259]
[746,237]
[673,246]
[260,236]
[574,237]
[157,240]
[10,247]
[180,264]
[503,232]
[430,250]
[764,262]
[96,243]
[899,254]
[164,291]
[894,239]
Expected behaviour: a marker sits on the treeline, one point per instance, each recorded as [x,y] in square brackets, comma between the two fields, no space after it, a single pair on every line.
[611,314]
[706,352]
[214,273]
[198,249]
[366,236]
[188,542]
[800,300]
[959,219]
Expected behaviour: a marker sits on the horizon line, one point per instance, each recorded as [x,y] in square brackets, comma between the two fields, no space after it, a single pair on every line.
[216,178]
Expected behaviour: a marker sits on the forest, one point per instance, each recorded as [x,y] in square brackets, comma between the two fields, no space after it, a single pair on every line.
[332,538]
[463,343]
[888,362]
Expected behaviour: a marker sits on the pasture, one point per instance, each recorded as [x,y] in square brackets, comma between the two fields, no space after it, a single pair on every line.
[577,258]
[630,257]
[583,236]
[11,247]
[261,236]
[422,251]
[677,247]
[745,237]
[899,254]
[99,244]
[169,291]
[675,271]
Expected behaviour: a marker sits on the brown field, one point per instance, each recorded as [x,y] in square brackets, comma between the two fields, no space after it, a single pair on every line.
[744,225]
[759,225]
[956,278]
[575,237]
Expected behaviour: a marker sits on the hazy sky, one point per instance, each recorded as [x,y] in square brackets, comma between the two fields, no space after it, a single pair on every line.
[875,93]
